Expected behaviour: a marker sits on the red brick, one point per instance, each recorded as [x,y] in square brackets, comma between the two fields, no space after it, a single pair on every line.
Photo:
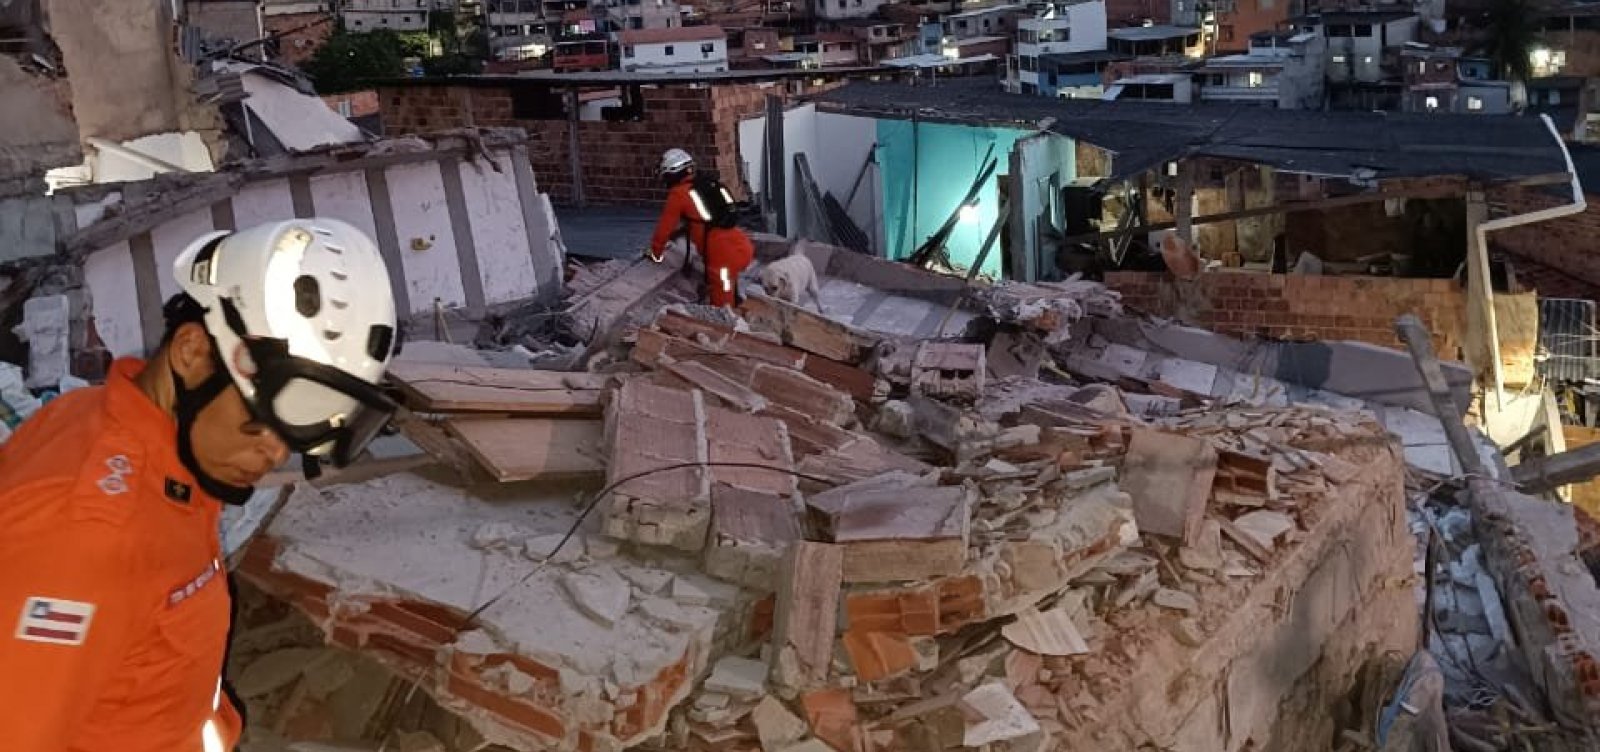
[511,711]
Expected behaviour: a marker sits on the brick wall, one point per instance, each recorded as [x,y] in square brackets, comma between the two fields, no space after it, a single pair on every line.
[1290,306]
[1566,243]
[295,48]
[618,159]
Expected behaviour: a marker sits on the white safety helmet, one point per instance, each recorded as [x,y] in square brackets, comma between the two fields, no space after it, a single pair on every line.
[675,160]
[303,319]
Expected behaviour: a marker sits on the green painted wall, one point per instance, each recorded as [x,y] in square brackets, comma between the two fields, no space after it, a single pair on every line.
[945,159]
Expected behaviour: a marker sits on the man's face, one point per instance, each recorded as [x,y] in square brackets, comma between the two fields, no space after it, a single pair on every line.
[229,444]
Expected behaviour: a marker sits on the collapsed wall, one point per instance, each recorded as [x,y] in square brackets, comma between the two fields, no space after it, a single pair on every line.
[1079,576]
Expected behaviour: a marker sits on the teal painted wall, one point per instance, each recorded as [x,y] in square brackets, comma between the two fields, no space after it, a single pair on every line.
[950,156]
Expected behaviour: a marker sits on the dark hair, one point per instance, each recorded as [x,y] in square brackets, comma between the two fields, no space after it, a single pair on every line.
[180,309]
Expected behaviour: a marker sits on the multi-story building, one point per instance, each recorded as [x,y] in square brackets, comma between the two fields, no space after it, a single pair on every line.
[298,29]
[1076,75]
[395,15]
[226,23]
[1441,79]
[1060,28]
[1282,69]
[989,21]
[643,14]
[1177,88]
[1229,24]
[839,10]
[878,39]
[517,30]
[681,49]
[1363,55]
[1156,41]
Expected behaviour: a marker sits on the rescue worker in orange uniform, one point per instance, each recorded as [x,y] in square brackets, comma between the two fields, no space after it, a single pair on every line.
[727,251]
[113,593]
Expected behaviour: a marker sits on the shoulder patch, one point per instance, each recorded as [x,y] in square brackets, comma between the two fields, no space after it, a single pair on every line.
[108,481]
[54,620]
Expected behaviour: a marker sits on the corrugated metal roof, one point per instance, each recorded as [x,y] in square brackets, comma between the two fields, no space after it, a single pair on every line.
[1368,144]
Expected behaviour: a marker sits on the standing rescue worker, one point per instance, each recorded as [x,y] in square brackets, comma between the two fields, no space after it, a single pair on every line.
[727,251]
[112,585]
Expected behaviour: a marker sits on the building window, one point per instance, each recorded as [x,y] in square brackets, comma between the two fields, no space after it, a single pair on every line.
[1366,60]
[707,48]
[1432,103]
[1028,63]
[405,19]
[962,24]
[1554,97]
[1362,30]
[841,4]
[636,22]
[1218,79]
[1338,59]
[1255,79]
[985,24]
[1474,104]
[667,50]
[627,50]
[1422,66]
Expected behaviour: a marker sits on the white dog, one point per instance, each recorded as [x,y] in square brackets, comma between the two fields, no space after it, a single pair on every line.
[785,278]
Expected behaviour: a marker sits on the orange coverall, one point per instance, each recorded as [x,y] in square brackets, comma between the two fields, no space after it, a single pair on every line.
[112,590]
[727,251]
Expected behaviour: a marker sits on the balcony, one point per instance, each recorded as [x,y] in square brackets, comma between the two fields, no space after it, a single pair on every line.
[1239,93]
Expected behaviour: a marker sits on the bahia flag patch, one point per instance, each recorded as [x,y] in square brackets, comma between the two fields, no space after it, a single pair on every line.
[55,621]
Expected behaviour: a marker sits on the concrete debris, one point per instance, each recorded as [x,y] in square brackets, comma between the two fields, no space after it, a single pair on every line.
[600,592]
[738,677]
[816,534]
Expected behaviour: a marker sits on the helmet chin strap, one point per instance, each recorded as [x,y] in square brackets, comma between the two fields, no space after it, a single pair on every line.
[189,404]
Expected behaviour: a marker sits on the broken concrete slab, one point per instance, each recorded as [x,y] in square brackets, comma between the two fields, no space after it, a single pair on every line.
[600,592]
[807,608]
[949,370]
[740,678]
[1000,716]
[657,437]
[888,533]
[806,330]
[775,725]
[1265,526]
[46,328]
[1169,477]
[1051,632]
[750,534]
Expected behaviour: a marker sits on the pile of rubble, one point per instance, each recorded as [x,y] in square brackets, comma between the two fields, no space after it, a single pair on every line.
[795,535]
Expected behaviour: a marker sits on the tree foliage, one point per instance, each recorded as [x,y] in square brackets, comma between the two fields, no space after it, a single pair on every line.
[1510,37]
[350,61]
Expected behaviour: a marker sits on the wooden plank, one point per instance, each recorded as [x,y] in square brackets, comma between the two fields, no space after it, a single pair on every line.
[516,449]
[438,387]
[1516,317]
[1169,477]
[722,338]
[807,615]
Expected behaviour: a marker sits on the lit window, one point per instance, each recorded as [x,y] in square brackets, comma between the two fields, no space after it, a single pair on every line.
[1338,59]
[1474,104]
[1431,103]
[1255,79]
[1422,66]
[1366,60]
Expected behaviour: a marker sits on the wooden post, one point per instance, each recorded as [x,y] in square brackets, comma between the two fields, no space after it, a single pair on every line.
[775,176]
[1183,205]
[572,147]
[1483,345]
[1415,335]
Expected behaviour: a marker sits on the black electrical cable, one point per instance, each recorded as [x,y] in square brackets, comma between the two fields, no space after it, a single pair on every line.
[602,493]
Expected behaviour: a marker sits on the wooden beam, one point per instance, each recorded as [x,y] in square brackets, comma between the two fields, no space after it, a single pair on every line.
[1286,208]
[1415,335]
[1543,474]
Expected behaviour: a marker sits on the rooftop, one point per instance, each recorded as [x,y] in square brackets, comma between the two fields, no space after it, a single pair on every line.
[1229,62]
[1089,56]
[1365,145]
[674,34]
[1357,16]
[969,41]
[1153,78]
[1150,33]
[935,60]
[547,78]
[985,11]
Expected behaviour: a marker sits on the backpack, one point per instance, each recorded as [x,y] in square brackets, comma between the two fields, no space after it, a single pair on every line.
[713,202]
